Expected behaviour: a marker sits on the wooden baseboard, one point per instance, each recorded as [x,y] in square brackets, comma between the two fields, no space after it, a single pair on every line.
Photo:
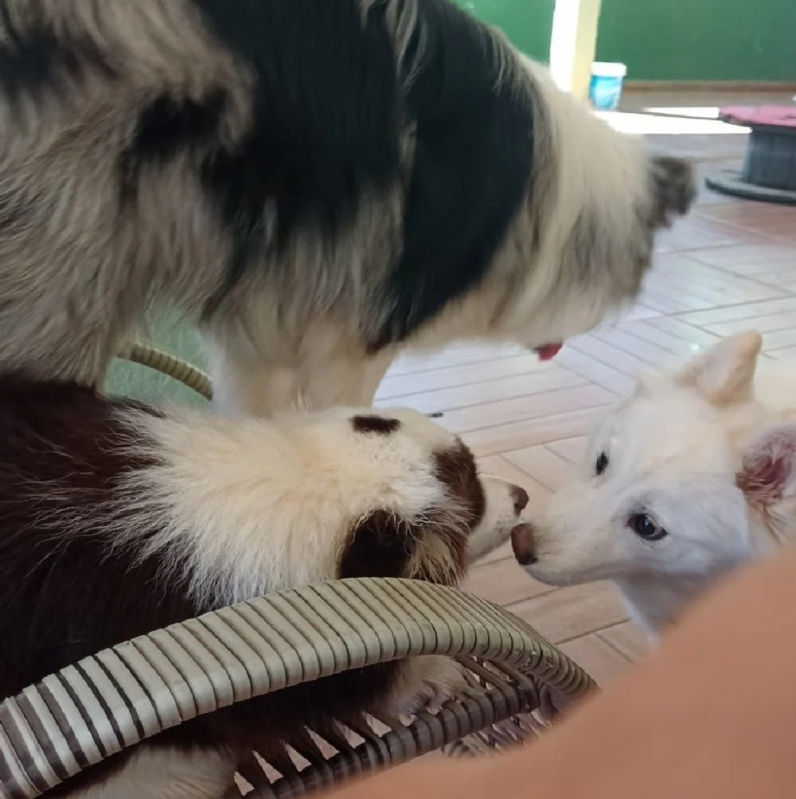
[710,86]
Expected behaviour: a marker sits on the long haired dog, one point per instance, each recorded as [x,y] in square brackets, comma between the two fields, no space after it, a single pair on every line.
[118,519]
[318,184]
[691,476]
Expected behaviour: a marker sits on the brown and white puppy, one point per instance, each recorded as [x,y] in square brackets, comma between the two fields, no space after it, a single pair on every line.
[318,184]
[117,519]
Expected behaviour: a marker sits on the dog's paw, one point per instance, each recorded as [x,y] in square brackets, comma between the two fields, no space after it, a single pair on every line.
[426,683]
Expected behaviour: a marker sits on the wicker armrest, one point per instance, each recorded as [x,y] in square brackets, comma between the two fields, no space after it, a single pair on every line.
[157,681]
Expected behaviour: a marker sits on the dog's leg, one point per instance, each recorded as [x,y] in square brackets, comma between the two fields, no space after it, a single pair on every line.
[425,682]
[66,347]
[252,383]
[164,773]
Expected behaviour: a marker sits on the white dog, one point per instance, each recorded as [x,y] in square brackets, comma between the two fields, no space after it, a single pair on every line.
[691,476]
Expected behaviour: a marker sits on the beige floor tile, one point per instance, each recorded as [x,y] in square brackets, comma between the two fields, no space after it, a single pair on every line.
[670,300]
[598,658]
[707,283]
[609,355]
[747,213]
[788,354]
[679,327]
[573,449]
[571,612]
[601,374]
[400,385]
[504,582]
[747,260]
[767,323]
[623,339]
[675,345]
[454,356]
[638,311]
[537,381]
[628,638]
[694,233]
[508,437]
[747,310]
[693,273]
[546,466]
[503,552]
[526,408]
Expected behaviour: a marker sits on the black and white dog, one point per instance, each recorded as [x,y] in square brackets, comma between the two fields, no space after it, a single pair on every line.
[118,519]
[318,183]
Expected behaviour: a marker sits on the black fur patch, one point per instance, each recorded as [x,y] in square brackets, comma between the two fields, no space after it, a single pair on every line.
[37,61]
[375,424]
[326,110]
[61,451]
[165,127]
[380,546]
[328,114]
[472,170]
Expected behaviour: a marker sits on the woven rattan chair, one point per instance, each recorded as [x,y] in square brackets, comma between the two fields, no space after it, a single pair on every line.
[119,697]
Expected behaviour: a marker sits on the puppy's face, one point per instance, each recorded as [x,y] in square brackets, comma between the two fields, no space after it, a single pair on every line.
[674,485]
[401,496]
[656,494]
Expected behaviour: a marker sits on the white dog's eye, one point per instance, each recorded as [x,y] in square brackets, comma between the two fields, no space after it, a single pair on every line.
[644,526]
[601,465]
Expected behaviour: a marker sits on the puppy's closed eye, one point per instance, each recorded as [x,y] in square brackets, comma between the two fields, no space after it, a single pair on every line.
[601,464]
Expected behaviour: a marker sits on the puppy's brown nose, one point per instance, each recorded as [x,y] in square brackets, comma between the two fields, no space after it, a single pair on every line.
[520,497]
[523,545]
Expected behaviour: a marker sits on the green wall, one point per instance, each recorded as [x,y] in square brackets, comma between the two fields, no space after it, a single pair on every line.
[700,39]
[529,23]
[709,40]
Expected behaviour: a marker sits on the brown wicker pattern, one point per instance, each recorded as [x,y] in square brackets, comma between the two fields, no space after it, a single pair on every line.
[157,681]
[170,365]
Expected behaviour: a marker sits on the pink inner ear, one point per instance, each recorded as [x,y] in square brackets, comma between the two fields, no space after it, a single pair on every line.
[764,480]
[768,466]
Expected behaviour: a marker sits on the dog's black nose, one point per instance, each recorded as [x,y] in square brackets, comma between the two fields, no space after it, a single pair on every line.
[520,497]
[523,545]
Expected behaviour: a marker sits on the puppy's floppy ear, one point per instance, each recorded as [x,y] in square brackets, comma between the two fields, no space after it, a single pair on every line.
[768,466]
[432,547]
[381,543]
[725,373]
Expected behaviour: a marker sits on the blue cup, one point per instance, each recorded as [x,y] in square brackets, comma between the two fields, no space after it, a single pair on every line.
[607,81]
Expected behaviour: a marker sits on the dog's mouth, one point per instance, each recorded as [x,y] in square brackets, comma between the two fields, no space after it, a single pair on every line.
[548,352]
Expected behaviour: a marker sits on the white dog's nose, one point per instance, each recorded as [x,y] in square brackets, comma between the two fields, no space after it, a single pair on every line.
[523,545]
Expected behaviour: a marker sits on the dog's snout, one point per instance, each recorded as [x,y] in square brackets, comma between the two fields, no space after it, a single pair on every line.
[523,545]
[520,498]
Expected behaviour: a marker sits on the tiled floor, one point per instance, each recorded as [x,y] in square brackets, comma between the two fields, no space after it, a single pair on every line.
[729,267]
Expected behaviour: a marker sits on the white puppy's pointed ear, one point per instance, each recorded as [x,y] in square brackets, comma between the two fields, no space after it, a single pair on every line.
[768,465]
[725,373]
